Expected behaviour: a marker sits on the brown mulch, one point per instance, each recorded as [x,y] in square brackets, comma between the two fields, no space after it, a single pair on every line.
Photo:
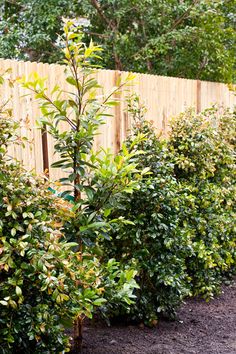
[201,328]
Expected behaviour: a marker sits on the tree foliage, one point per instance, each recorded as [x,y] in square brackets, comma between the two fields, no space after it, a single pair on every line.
[193,39]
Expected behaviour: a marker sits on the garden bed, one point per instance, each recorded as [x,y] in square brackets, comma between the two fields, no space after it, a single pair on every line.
[208,328]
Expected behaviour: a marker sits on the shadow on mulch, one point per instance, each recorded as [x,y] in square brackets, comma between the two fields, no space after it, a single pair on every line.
[201,328]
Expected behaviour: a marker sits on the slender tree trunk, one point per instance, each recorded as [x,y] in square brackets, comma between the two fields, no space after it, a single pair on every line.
[78,335]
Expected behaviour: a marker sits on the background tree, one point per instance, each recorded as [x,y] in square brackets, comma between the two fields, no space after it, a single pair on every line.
[193,39]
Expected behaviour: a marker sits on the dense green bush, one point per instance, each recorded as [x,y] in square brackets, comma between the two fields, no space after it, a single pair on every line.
[203,151]
[182,234]
[153,238]
[163,207]
[42,281]
[45,282]
[83,108]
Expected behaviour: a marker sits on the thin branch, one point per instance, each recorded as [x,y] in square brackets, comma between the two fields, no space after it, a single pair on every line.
[149,63]
[183,16]
[97,6]
[175,24]
[113,26]
[97,34]
[14,2]
[59,110]
[52,103]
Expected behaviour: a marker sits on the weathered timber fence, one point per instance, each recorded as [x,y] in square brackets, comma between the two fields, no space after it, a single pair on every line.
[164,98]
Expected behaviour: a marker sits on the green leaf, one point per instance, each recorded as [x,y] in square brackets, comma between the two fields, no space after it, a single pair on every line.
[71,80]
[99,302]
[94,225]
[18,291]
[107,212]
[13,232]
[4,303]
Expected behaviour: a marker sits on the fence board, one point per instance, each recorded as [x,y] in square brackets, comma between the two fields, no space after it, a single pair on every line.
[164,97]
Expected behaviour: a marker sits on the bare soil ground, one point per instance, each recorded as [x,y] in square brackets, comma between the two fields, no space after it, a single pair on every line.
[201,328]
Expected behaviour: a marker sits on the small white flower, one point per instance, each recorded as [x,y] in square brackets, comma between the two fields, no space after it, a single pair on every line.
[83,22]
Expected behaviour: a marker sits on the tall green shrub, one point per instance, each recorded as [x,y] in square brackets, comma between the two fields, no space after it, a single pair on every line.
[182,230]
[153,237]
[94,181]
[41,281]
[45,284]
[203,151]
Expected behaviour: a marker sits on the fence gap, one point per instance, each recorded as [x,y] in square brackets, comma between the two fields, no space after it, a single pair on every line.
[199,98]
[118,117]
[45,151]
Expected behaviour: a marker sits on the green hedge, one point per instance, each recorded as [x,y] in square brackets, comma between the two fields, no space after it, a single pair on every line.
[46,282]
[39,273]
[203,148]
[182,234]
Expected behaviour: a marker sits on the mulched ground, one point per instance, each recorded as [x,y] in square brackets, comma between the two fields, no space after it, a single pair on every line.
[201,328]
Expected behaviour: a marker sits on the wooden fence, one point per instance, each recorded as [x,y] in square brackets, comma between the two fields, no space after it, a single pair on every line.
[164,97]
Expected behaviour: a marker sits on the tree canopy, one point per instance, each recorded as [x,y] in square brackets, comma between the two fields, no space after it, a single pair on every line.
[185,38]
